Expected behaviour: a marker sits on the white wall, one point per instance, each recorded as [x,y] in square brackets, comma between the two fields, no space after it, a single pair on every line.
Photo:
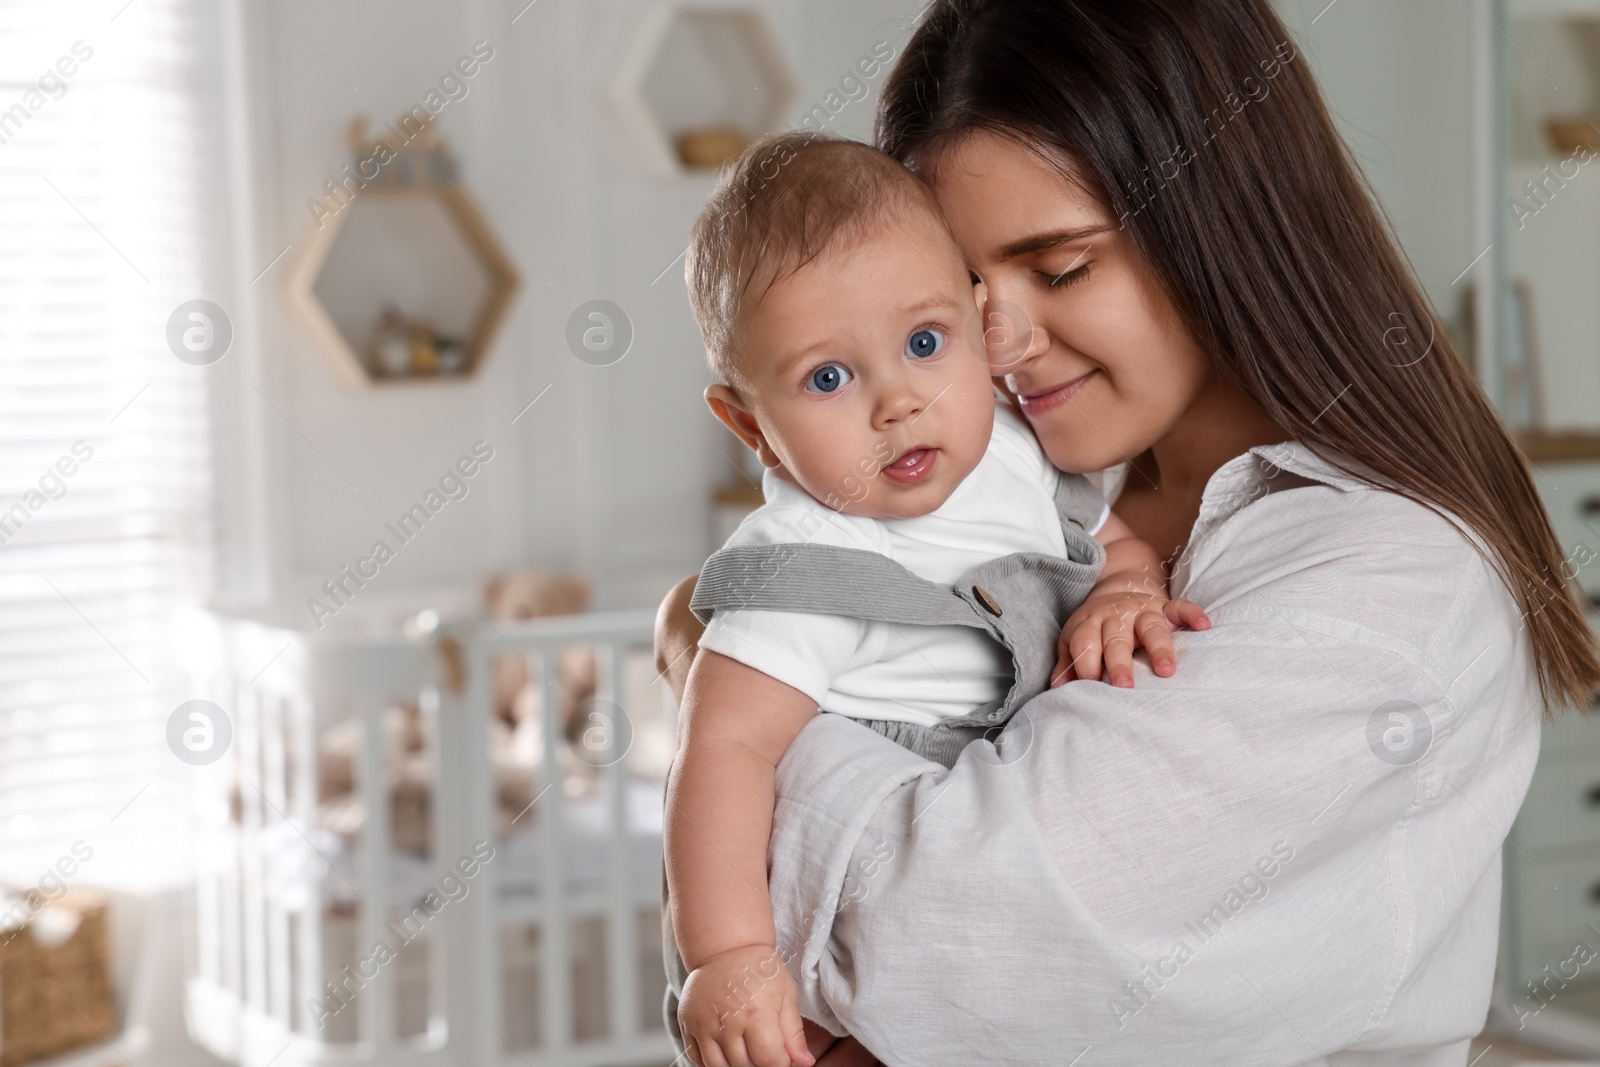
[1398,77]
[610,472]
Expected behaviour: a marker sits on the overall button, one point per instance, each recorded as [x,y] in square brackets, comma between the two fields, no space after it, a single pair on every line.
[990,604]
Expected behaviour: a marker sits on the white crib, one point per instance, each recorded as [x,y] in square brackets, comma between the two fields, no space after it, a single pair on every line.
[547,955]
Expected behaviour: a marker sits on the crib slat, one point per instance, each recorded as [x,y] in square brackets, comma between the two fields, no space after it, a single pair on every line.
[555,953]
[276,786]
[267,965]
[253,817]
[468,947]
[230,909]
[377,995]
[209,871]
[622,929]
[441,855]
[309,931]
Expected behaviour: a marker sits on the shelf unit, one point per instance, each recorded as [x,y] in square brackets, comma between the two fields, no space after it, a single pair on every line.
[1549,201]
[1544,446]
[699,69]
[425,248]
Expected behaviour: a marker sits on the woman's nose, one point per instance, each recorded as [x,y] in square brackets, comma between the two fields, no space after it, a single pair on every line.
[1010,336]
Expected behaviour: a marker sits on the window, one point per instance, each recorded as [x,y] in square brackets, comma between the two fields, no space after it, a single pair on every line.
[104,459]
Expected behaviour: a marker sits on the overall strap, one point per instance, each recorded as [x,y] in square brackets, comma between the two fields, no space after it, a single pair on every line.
[824,580]
[1078,502]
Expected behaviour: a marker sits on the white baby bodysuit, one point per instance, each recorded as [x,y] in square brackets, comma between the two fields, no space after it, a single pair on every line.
[878,670]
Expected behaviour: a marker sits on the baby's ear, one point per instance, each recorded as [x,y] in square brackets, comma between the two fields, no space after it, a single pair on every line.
[730,410]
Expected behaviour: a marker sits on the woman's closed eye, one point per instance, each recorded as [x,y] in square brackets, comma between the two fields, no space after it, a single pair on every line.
[1070,276]
[828,378]
[924,342]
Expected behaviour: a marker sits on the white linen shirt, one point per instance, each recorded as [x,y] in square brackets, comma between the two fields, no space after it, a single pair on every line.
[1286,854]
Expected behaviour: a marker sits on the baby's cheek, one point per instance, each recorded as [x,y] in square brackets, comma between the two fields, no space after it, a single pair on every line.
[839,473]
[972,418]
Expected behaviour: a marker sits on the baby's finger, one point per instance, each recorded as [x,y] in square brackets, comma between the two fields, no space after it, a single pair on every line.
[1062,672]
[1186,613]
[794,1035]
[764,1043]
[1086,648]
[1155,634]
[1118,645]
[733,1050]
[711,1053]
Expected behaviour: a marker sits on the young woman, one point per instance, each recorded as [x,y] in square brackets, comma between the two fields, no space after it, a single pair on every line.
[1288,853]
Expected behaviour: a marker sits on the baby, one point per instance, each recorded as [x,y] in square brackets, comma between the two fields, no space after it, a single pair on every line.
[912,566]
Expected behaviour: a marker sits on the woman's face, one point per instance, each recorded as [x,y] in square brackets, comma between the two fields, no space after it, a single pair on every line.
[1076,325]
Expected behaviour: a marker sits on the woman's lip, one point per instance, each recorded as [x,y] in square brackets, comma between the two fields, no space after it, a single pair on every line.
[911,466]
[1055,396]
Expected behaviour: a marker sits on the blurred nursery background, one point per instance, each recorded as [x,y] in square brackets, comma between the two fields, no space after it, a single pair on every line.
[351,430]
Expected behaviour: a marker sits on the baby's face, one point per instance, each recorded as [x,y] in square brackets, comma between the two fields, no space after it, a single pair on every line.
[862,371]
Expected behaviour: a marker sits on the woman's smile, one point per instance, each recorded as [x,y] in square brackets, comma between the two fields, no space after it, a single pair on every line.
[1036,399]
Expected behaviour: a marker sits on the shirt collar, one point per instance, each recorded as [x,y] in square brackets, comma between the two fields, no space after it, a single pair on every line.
[1266,469]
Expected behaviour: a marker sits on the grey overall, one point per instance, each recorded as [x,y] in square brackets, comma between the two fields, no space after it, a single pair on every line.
[1021,600]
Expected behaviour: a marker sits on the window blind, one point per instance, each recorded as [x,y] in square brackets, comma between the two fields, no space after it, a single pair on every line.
[104,494]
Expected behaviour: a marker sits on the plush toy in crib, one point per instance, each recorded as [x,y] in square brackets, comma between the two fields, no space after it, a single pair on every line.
[516,738]
[535,594]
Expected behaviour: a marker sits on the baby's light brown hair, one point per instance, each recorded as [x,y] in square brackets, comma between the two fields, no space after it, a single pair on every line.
[788,199]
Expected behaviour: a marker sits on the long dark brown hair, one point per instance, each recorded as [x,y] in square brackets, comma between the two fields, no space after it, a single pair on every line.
[1197,123]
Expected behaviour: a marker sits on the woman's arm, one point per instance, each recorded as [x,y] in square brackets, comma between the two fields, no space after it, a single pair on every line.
[1289,849]
[677,636]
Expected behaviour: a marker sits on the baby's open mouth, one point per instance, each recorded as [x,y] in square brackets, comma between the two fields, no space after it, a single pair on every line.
[911,466]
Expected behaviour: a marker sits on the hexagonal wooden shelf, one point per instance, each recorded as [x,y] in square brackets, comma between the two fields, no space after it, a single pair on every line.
[698,83]
[424,250]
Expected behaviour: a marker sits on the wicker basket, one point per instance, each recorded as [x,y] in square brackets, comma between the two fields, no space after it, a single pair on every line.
[55,980]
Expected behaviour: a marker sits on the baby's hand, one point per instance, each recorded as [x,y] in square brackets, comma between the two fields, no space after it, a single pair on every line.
[740,1008]
[1101,635]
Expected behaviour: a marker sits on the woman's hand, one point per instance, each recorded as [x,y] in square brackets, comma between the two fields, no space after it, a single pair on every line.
[677,636]
[1100,637]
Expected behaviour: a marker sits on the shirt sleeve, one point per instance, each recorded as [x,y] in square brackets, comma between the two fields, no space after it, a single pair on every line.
[805,650]
[1286,850]
[800,649]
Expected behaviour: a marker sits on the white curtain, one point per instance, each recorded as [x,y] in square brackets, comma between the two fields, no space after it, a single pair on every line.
[105,510]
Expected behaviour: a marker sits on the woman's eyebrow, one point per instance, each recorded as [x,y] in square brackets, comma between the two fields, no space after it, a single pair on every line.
[1041,241]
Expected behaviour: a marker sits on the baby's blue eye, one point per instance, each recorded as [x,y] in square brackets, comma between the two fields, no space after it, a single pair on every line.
[827,378]
[924,343]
